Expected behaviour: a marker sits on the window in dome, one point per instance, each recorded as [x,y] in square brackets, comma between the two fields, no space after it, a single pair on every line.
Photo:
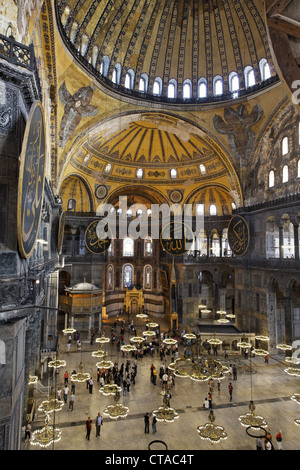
[157,86]
[234,84]
[173,173]
[233,206]
[139,173]
[84,44]
[65,15]
[127,276]
[285,174]
[94,56]
[187,89]
[104,66]
[115,78]
[172,89]
[265,71]
[73,32]
[212,209]
[218,86]
[129,79]
[285,146]
[139,212]
[271,179]
[107,169]
[128,247]
[202,88]
[148,246]
[249,76]
[129,213]
[202,169]
[143,83]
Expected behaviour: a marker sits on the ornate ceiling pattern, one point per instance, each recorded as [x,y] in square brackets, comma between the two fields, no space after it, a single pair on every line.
[173,40]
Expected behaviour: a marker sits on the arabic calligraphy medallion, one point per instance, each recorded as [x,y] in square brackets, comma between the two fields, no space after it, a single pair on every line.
[238,235]
[176,238]
[94,237]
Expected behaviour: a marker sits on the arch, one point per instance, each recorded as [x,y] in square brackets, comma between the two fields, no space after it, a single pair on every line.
[265,71]
[202,88]
[285,173]
[285,146]
[128,247]
[143,83]
[104,65]
[116,74]
[249,75]
[157,86]
[187,89]
[147,277]
[218,85]
[271,179]
[75,187]
[127,276]
[172,88]
[129,79]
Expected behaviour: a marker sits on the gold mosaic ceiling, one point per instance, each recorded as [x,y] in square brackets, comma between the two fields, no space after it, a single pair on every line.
[170,39]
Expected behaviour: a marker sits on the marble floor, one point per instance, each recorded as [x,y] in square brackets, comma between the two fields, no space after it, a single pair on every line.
[268,385]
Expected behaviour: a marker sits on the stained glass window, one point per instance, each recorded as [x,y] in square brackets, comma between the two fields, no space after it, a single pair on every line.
[127,275]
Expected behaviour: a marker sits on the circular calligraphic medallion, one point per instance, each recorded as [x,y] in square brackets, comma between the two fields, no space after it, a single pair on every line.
[31,180]
[176,238]
[238,235]
[61,228]
[101,191]
[97,237]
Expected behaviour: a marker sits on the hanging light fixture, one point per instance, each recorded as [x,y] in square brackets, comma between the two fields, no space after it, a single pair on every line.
[105,364]
[47,435]
[69,331]
[110,389]
[117,410]
[33,379]
[128,348]
[210,431]
[165,414]
[243,343]
[51,405]
[57,363]
[214,340]
[169,341]
[251,419]
[80,376]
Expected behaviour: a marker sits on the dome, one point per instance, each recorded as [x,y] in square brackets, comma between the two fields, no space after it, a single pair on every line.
[83,287]
[182,50]
[75,195]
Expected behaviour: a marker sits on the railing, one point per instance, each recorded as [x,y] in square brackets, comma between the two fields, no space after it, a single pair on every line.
[19,54]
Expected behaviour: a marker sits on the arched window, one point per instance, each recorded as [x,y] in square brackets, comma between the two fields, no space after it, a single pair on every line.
[173,173]
[65,15]
[172,89]
[187,89]
[234,84]
[218,86]
[107,169]
[143,83]
[272,238]
[202,88]
[147,277]
[73,31]
[249,76]
[110,277]
[202,169]
[285,146]
[84,44]
[148,246]
[200,209]
[104,66]
[215,244]
[139,173]
[128,247]
[285,174]
[157,86]
[71,206]
[271,178]
[116,74]
[225,244]
[127,276]
[265,71]
[212,209]
[129,79]
[95,55]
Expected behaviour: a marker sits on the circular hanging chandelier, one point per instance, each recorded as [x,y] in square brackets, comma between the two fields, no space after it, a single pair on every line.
[243,343]
[260,351]
[284,347]
[137,339]
[143,316]
[210,431]
[214,340]
[116,411]
[152,325]
[57,363]
[33,379]
[149,333]
[165,414]
[69,331]
[102,339]
[128,348]
[189,336]
[296,397]
[110,389]
[99,353]
[251,419]
[46,436]
[169,341]
[294,371]
[51,405]
[80,376]
[104,364]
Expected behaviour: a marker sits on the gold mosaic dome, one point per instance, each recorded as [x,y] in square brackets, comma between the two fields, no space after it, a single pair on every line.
[182,50]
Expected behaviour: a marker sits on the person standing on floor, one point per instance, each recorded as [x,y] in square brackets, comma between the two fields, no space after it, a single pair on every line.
[99,422]
[154,424]
[259,443]
[88,427]
[66,391]
[234,372]
[279,440]
[71,401]
[91,383]
[230,389]
[27,430]
[66,377]
[59,393]
[146,420]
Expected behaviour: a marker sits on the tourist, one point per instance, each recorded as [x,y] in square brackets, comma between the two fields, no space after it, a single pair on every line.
[154,424]
[230,389]
[146,420]
[99,422]
[88,427]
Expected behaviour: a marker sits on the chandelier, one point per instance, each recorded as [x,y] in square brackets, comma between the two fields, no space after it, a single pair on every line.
[69,331]
[33,379]
[214,340]
[169,341]
[99,353]
[80,376]
[104,364]
[102,339]
[117,410]
[166,414]
[243,343]
[222,318]
[260,351]
[110,389]
[51,405]
[128,348]
[251,419]
[47,435]
[210,431]
[57,363]
[284,347]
